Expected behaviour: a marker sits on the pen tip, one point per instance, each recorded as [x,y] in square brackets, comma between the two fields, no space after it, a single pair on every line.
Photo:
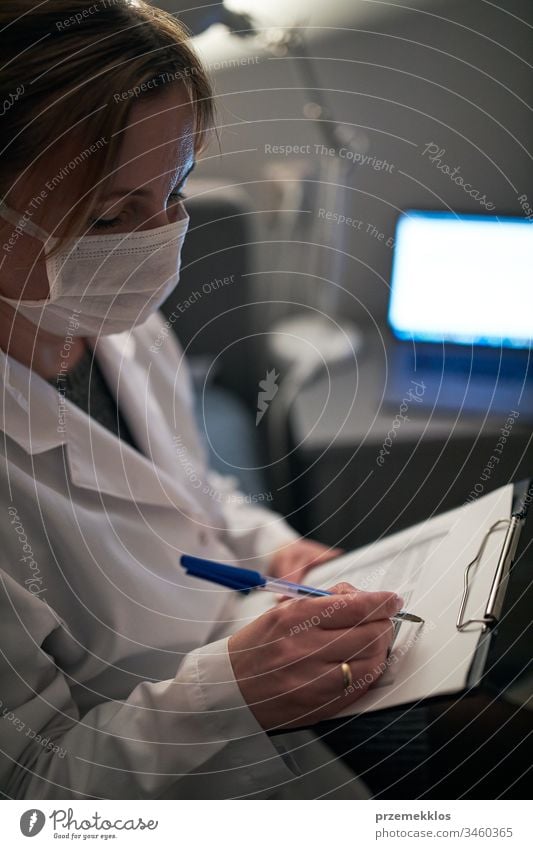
[409,617]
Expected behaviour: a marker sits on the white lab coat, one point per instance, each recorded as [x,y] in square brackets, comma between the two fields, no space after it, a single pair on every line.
[115,678]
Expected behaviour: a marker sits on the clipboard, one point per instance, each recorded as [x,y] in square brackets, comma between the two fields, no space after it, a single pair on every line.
[479,736]
[513,550]
[522,500]
[447,666]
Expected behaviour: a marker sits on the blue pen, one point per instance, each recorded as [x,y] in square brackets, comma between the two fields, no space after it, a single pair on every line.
[245,580]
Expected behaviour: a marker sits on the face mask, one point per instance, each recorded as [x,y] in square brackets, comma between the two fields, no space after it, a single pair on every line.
[111,283]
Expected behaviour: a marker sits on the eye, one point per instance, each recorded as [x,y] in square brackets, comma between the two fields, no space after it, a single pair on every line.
[104,223]
[176,196]
[101,223]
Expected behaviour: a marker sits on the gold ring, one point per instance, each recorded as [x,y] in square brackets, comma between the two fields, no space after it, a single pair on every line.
[347,679]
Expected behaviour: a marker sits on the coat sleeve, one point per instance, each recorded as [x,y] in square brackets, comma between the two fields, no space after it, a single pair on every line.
[192,735]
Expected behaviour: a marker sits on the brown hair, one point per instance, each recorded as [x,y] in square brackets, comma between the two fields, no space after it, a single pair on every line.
[72,70]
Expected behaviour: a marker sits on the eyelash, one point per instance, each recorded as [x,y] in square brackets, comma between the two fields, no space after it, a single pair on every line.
[104,224]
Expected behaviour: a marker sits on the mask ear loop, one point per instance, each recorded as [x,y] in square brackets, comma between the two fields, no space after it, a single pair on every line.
[19,220]
[26,225]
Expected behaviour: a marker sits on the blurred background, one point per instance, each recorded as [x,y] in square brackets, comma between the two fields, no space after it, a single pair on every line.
[332,118]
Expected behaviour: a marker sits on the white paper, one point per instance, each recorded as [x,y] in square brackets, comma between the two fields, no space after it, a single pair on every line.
[425,564]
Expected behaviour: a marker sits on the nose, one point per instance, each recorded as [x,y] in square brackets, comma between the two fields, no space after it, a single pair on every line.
[180,211]
[170,215]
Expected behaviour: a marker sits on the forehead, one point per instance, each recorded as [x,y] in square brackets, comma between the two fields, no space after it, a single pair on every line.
[158,139]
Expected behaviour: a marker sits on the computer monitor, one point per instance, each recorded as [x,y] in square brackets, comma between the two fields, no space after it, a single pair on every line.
[464,279]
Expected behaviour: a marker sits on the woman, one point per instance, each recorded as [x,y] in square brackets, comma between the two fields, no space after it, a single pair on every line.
[121,676]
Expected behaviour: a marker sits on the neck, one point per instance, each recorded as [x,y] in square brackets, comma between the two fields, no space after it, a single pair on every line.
[35,348]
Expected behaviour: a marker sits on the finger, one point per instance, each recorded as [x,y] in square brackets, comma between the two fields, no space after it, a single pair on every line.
[346,609]
[342,588]
[340,611]
[363,674]
[339,589]
[363,641]
[283,598]
[324,556]
[307,557]
[292,567]
[295,576]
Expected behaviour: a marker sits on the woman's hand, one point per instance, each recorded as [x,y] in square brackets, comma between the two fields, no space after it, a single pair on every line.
[294,560]
[288,661]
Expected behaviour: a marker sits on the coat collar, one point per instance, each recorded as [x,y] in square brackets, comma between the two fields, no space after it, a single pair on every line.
[38,418]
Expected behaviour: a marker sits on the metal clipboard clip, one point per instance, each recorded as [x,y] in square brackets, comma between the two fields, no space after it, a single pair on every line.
[495,599]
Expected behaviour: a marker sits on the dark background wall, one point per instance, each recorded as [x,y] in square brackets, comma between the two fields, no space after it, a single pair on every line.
[454,73]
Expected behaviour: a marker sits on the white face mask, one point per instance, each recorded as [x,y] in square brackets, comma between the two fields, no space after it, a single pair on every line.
[113,282]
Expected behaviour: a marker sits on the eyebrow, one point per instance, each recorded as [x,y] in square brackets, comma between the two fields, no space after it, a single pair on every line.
[145,192]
